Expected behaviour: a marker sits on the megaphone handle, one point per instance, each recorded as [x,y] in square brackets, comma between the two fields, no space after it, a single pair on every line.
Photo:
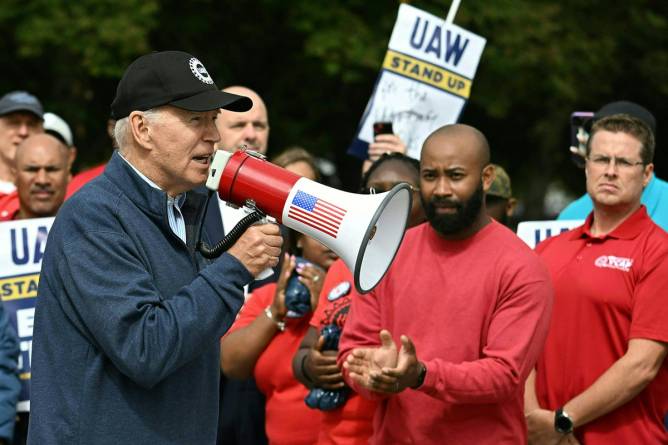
[268,271]
[265,274]
[229,239]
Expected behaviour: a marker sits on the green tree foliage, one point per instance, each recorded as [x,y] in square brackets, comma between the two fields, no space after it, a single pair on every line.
[316,63]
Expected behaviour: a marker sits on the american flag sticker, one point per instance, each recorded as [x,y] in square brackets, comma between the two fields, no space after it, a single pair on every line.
[316,213]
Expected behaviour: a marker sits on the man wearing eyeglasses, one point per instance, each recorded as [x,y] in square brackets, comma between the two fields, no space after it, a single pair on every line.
[601,378]
[655,194]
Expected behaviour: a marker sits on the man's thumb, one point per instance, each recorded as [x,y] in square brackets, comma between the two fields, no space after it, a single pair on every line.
[407,345]
[320,343]
[386,339]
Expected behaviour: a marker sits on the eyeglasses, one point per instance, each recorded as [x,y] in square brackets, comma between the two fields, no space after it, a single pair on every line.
[381,189]
[623,163]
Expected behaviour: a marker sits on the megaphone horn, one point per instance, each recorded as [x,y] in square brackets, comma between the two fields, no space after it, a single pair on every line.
[364,230]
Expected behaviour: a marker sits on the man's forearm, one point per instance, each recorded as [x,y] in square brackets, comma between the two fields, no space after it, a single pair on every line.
[486,380]
[620,383]
[299,367]
[530,399]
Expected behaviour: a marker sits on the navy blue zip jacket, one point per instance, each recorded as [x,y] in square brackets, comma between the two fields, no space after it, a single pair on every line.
[128,320]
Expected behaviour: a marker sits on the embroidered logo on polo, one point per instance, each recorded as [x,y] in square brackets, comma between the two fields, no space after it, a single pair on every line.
[614,262]
[199,71]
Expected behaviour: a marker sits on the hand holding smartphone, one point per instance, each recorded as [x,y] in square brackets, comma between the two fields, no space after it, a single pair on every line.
[579,136]
[382,128]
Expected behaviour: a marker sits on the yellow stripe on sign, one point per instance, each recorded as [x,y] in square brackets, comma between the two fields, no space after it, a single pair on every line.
[428,73]
[16,288]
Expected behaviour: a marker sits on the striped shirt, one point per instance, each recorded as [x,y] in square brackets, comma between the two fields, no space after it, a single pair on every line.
[174,215]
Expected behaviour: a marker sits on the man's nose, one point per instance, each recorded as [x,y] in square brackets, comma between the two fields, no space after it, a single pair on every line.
[442,187]
[611,168]
[211,134]
[249,133]
[24,130]
[42,177]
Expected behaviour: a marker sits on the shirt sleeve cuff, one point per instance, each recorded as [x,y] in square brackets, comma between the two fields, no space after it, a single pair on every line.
[430,380]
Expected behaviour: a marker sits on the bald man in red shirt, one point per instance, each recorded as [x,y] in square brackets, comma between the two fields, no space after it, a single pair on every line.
[447,339]
[602,378]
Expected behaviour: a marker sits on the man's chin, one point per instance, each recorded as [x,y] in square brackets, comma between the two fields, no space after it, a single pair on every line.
[607,199]
[445,226]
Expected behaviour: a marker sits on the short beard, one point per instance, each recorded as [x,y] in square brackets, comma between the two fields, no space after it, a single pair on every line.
[466,212]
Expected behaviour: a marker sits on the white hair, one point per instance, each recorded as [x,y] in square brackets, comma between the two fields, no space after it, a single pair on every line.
[122,127]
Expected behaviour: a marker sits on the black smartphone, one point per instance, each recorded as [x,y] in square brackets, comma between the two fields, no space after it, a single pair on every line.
[382,128]
[579,136]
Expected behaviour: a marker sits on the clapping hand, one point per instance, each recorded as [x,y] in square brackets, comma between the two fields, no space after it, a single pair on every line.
[365,365]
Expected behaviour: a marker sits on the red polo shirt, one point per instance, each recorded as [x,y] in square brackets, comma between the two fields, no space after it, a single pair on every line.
[607,291]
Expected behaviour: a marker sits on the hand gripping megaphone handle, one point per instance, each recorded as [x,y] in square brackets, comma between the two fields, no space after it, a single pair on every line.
[266,220]
[254,216]
[232,237]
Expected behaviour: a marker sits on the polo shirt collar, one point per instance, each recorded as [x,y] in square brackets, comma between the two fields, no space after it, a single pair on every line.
[629,229]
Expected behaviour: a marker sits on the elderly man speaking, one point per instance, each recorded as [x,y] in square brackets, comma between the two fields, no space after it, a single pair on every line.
[129,315]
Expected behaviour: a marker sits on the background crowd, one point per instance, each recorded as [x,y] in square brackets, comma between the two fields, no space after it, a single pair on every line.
[317,70]
[272,358]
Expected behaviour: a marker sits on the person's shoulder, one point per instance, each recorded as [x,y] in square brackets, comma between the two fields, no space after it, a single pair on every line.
[554,240]
[510,252]
[656,238]
[91,207]
[504,238]
[578,209]
[98,191]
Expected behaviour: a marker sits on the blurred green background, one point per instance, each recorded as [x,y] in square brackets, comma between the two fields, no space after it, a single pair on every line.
[315,63]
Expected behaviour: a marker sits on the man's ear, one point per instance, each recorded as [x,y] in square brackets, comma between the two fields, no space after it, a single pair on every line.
[488,175]
[72,156]
[510,207]
[139,126]
[647,174]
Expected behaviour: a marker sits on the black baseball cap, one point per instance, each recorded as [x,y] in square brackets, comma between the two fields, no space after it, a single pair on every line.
[623,107]
[21,101]
[171,78]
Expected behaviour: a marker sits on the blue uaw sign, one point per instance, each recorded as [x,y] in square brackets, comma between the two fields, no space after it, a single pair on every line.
[22,245]
[425,80]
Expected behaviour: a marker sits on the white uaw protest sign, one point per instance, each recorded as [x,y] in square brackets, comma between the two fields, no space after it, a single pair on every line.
[22,245]
[425,80]
[533,232]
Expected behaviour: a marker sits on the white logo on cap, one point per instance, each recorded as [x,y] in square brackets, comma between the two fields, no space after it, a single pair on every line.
[199,71]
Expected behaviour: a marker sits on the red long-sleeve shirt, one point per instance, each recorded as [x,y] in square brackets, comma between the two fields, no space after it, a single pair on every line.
[478,312]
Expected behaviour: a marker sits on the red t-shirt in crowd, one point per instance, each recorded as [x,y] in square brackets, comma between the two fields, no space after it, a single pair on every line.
[477,311]
[350,424]
[608,290]
[288,420]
